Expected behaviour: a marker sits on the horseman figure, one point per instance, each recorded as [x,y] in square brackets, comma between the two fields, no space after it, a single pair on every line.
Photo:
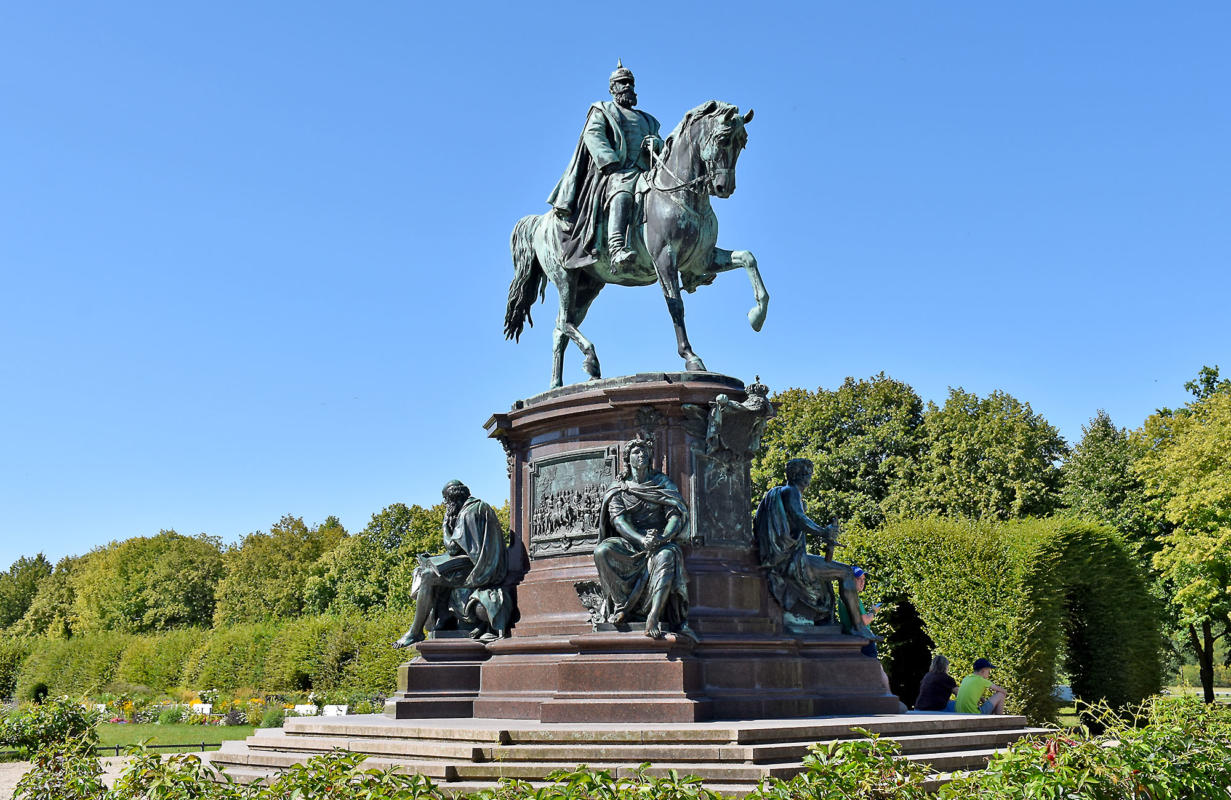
[656,218]
[598,186]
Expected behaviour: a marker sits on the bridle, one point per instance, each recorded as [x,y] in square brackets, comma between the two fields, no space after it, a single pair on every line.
[709,170]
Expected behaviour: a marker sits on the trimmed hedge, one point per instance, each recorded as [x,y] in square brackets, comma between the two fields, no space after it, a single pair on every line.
[324,653]
[157,660]
[1042,598]
[230,658]
[77,666]
[13,651]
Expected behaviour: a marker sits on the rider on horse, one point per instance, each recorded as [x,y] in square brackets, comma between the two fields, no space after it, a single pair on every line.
[602,177]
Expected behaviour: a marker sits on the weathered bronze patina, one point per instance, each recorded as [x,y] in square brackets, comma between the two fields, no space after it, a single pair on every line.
[632,210]
[462,586]
[640,563]
[802,583]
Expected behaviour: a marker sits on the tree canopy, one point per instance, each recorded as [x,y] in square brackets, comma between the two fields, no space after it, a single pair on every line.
[145,584]
[861,438]
[1186,467]
[264,574]
[367,570]
[989,457]
[1100,482]
[19,585]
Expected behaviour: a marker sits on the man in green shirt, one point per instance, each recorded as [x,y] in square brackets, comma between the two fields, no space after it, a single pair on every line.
[973,687]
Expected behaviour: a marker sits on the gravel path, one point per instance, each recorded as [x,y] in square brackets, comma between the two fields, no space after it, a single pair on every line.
[11,772]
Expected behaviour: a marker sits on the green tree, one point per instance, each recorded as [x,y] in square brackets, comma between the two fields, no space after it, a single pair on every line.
[1186,466]
[51,609]
[146,584]
[19,585]
[1207,383]
[1101,484]
[861,437]
[990,457]
[368,569]
[265,573]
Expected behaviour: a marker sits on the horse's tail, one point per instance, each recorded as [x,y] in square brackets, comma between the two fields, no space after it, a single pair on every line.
[529,280]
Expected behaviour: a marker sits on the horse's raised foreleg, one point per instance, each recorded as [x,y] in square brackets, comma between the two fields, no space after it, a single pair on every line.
[669,279]
[725,260]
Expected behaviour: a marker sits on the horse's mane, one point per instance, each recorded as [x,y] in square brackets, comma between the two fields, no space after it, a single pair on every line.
[708,108]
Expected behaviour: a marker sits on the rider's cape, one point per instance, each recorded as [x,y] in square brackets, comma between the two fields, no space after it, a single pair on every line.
[580,193]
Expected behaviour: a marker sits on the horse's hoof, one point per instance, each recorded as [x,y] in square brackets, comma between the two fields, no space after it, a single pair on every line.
[694,364]
[756,318]
[591,367]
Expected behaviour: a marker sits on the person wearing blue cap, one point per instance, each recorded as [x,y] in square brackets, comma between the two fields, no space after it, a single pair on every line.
[975,685]
[865,615]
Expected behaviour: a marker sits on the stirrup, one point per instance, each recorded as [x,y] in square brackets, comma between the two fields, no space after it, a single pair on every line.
[624,257]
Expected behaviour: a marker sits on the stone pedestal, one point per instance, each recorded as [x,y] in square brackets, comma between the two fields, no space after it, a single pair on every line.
[442,682]
[564,450]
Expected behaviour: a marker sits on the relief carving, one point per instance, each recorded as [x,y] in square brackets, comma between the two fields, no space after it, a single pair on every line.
[566,493]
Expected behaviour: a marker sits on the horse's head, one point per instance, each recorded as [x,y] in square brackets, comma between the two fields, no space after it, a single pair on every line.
[703,148]
[720,148]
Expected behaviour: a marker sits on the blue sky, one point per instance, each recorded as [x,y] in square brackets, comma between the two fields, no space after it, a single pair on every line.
[221,225]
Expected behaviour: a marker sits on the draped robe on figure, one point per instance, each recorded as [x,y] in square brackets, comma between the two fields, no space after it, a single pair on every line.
[631,577]
[473,565]
[581,193]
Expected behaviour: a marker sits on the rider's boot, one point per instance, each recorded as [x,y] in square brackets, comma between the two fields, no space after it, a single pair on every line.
[617,227]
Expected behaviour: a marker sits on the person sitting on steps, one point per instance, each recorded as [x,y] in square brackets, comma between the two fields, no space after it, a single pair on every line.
[970,693]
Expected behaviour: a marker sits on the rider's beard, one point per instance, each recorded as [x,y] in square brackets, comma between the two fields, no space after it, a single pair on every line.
[626,98]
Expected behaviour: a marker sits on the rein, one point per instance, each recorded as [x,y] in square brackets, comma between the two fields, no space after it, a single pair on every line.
[689,186]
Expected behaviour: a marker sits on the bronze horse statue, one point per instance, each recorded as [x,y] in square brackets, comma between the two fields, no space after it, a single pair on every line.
[674,242]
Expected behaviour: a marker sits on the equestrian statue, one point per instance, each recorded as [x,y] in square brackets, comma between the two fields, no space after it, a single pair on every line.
[632,209]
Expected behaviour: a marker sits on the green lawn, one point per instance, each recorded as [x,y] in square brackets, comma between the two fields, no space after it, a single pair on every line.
[111,734]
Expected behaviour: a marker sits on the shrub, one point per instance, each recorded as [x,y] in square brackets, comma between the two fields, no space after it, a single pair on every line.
[273,717]
[1034,596]
[64,770]
[295,660]
[1164,749]
[157,660]
[342,775]
[855,769]
[230,657]
[81,665]
[172,715]
[375,663]
[57,722]
[13,650]
[174,777]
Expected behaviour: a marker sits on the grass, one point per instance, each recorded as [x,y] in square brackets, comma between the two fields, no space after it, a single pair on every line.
[112,734]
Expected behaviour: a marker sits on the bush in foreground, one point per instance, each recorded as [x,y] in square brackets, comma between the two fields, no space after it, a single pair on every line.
[34,728]
[1165,750]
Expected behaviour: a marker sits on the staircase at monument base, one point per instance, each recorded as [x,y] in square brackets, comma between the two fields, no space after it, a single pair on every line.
[466,755]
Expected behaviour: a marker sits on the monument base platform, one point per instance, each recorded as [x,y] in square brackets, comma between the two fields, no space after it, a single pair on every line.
[466,755]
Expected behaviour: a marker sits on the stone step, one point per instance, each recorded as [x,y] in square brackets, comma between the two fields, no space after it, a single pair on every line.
[380,726]
[732,780]
[757,754]
[728,756]
[959,759]
[707,771]
[278,760]
[417,748]
[516,732]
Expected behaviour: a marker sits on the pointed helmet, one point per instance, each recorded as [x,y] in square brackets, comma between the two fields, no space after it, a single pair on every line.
[621,73]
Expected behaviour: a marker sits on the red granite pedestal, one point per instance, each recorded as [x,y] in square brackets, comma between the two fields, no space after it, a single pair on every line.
[564,449]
